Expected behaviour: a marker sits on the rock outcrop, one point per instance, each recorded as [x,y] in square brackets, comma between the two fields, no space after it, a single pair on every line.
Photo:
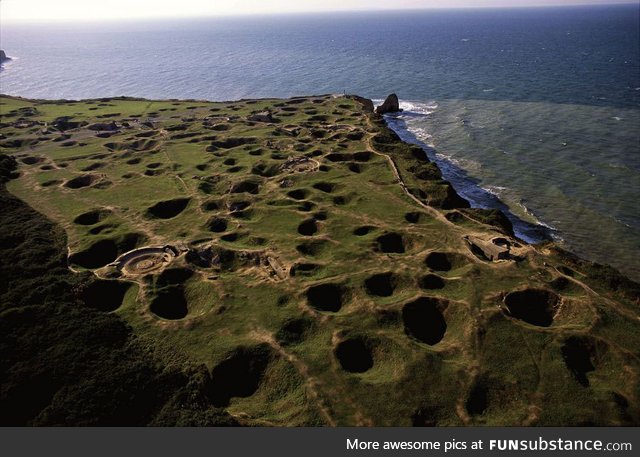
[390,105]
[365,102]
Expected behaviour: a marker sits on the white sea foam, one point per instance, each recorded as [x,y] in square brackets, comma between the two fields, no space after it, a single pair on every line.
[418,108]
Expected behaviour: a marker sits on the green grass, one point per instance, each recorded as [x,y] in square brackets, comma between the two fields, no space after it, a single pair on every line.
[177,149]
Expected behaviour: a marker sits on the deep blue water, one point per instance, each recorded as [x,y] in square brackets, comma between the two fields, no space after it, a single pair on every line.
[539,107]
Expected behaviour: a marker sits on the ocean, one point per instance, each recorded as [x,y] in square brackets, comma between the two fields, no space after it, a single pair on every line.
[532,110]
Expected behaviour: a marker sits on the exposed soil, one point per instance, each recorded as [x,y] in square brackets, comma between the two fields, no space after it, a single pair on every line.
[534,306]
[423,320]
[326,297]
[168,209]
[381,285]
[105,295]
[355,355]
[240,374]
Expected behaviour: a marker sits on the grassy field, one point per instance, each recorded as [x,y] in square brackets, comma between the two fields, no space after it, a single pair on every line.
[321,269]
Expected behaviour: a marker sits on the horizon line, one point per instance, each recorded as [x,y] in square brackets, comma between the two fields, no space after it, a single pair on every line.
[310,12]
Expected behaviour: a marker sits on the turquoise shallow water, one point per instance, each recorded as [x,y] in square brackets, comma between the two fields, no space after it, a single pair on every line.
[540,107]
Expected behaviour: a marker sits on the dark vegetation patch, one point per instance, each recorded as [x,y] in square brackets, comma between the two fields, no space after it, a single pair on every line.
[578,353]
[326,297]
[239,374]
[92,217]
[534,306]
[445,261]
[82,181]
[294,331]
[168,208]
[431,282]
[105,295]
[424,321]
[391,243]
[381,285]
[308,227]
[65,364]
[355,355]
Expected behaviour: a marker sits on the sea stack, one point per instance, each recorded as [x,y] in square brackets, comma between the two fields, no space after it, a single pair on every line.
[390,105]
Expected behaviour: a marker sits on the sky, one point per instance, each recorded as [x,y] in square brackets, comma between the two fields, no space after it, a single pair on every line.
[102,10]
